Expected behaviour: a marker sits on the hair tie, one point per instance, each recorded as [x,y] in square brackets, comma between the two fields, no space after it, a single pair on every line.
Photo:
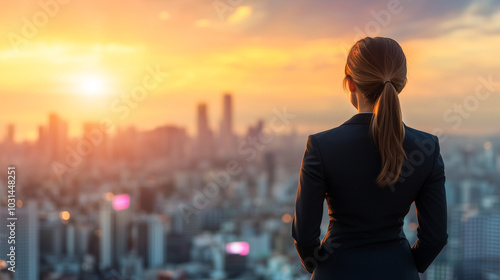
[387,81]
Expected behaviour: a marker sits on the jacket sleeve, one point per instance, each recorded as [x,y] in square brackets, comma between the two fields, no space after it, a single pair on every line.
[431,215]
[309,206]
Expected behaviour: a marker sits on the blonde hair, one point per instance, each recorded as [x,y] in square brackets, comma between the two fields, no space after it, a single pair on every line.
[377,67]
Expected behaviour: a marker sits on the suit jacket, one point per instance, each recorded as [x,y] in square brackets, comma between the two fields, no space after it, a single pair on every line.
[365,239]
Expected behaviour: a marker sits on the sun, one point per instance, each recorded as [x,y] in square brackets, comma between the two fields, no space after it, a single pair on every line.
[92,85]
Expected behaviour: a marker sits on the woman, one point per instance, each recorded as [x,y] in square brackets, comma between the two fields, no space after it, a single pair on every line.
[370,170]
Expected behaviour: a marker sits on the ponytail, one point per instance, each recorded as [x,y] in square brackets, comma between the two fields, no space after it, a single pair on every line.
[388,134]
[377,67]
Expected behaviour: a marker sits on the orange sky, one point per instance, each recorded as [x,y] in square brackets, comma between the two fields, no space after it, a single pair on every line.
[88,53]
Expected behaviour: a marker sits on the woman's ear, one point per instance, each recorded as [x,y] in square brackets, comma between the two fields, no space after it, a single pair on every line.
[351,85]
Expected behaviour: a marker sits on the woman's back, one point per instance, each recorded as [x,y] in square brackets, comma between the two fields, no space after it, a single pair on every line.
[365,238]
[365,230]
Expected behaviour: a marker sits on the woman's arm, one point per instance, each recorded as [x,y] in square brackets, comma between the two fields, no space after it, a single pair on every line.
[431,215]
[309,206]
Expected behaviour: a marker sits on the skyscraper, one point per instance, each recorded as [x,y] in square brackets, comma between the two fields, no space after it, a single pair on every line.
[226,125]
[205,135]
[481,237]
[121,221]
[58,134]
[227,137]
[150,240]
[270,169]
[9,138]
[106,235]
[203,128]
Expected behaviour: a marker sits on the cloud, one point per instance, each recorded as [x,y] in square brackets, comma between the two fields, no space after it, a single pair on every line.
[241,14]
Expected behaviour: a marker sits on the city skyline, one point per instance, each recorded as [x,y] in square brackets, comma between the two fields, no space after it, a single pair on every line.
[9,133]
[56,130]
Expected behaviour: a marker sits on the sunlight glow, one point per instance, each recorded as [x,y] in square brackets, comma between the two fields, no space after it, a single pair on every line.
[91,85]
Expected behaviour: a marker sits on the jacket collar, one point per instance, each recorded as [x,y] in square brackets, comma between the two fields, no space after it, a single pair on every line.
[362,118]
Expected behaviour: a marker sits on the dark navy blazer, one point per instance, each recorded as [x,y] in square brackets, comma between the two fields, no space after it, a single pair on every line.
[364,239]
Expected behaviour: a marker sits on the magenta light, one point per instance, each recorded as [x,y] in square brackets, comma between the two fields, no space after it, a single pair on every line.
[121,201]
[240,248]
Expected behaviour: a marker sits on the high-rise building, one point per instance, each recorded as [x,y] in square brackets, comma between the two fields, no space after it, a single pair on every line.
[226,128]
[27,248]
[9,137]
[270,168]
[106,235]
[150,240]
[51,237]
[121,227]
[70,235]
[114,220]
[226,125]
[83,234]
[98,140]
[227,138]
[58,136]
[177,247]
[205,134]
[235,264]
[148,195]
[454,246]
[203,127]
[112,234]
[481,237]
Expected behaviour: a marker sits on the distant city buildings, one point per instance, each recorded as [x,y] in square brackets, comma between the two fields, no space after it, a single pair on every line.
[163,204]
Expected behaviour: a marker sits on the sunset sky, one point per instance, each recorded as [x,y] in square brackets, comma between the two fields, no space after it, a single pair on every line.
[84,54]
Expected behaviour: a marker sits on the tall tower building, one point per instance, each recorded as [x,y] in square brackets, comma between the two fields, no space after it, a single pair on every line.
[226,126]
[9,137]
[58,135]
[227,141]
[113,231]
[481,237]
[203,127]
[121,221]
[98,139]
[150,240]
[270,169]
[106,235]
[205,135]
